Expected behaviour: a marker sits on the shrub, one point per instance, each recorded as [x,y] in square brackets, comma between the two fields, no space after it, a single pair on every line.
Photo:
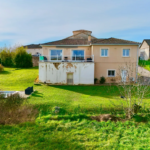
[95,80]
[1,68]
[6,57]
[22,58]
[143,63]
[13,110]
[102,80]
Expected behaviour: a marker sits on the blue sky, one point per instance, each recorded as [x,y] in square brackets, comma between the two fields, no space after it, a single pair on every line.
[36,21]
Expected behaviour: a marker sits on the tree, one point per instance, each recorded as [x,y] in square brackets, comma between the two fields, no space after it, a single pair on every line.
[6,57]
[22,58]
[132,89]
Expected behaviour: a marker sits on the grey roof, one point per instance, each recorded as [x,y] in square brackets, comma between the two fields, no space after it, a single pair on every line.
[147,41]
[33,46]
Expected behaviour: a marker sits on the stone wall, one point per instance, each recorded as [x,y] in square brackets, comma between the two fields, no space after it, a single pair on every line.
[35,60]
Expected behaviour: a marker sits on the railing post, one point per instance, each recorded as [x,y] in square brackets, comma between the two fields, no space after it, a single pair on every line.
[75,57]
[57,57]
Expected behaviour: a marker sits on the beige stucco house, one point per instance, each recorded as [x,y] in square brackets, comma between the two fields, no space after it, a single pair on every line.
[34,49]
[144,52]
[80,58]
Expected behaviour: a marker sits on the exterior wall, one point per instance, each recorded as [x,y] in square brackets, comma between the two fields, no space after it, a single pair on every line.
[35,51]
[67,51]
[144,51]
[114,61]
[35,61]
[56,73]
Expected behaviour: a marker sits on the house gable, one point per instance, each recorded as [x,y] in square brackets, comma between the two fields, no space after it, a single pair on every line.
[144,45]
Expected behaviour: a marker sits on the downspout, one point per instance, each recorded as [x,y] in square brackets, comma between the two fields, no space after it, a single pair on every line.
[46,73]
[137,63]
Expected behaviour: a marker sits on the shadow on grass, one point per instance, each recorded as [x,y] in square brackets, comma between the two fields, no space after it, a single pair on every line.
[37,94]
[101,91]
[38,84]
[5,72]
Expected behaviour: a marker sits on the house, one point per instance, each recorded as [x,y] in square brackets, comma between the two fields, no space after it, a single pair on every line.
[34,49]
[145,50]
[81,57]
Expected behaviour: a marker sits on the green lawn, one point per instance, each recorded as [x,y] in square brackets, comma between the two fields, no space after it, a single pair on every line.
[17,79]
[73,130]
[147,67]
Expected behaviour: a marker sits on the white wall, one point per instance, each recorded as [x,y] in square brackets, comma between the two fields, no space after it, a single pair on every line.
[144,50]
[83,73]
[144,53]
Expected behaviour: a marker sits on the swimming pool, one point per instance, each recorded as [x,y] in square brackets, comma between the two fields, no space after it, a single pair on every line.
[7,93]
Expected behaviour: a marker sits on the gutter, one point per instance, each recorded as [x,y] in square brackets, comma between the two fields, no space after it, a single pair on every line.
[65,45]
[115,44]
[90,45]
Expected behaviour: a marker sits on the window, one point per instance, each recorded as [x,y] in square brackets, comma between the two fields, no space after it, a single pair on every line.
[111,73]
[104,52]
[126,52]
[78,55]
[56,55]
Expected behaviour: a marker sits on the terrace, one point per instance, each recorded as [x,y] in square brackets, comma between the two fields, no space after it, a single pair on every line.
[66,58]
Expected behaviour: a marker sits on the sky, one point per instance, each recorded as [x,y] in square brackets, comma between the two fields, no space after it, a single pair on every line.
[25,22]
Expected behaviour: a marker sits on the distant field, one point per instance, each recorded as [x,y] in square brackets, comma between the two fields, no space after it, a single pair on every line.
[73,130]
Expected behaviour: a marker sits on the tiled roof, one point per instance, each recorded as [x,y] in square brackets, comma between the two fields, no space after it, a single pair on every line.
[113,41]
[33,46]
[69,42]
[108,41]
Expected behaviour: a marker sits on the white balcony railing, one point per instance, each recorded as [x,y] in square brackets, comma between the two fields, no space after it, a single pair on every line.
[67,58]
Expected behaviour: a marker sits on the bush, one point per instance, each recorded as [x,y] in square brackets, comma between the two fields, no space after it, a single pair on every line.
[95,80]
[6,57]
[102,80]
[1,68]
[13,110]
[143,63]
[22,58]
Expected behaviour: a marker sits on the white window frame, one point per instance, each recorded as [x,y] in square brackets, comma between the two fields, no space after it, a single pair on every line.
[71,50]
[107,52]
[126,49]
[111,70]
[50,54]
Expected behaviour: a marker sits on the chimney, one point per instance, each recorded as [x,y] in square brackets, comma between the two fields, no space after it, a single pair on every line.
[89,38]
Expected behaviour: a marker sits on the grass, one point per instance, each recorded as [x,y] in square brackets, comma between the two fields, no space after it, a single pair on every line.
[147,67]
[145,64]
[17,79]
[71,128]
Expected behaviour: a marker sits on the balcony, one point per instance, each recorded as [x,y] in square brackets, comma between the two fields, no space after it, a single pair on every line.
[66,58]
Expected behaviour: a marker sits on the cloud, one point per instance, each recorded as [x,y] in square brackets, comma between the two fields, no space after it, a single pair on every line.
[36,21]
